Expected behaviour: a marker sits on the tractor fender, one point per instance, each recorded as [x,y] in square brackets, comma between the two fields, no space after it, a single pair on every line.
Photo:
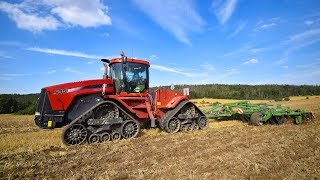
[175,101]
[89,112]
[172,112]
[81,104]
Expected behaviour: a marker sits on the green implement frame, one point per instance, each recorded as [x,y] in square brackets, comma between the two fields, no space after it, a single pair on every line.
[257,114]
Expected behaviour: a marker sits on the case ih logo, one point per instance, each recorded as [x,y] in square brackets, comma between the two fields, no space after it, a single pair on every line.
[60,91]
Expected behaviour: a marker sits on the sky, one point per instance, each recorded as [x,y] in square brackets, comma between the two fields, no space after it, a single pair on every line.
[47,42]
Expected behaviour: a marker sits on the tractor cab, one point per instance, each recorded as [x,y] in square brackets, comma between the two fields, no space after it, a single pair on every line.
[128,74]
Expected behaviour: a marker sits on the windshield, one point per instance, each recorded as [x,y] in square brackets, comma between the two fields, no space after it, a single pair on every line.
[136,79]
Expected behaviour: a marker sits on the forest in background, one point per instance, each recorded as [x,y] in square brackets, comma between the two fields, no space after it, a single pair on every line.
[26,104]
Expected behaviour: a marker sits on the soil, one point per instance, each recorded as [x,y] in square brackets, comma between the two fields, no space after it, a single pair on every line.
[225,150]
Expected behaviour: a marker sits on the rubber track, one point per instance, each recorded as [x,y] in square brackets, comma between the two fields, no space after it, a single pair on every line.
[89,112]
[168,115]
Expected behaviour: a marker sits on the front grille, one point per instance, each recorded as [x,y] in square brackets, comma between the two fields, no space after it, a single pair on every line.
[40,100]
[44,105]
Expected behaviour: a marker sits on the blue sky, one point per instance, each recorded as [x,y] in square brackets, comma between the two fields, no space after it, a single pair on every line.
[46,42]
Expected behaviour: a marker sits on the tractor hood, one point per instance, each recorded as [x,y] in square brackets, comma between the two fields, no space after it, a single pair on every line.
[78,86]
[61,95]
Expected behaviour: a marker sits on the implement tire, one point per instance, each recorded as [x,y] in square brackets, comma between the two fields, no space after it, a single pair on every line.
[256,119]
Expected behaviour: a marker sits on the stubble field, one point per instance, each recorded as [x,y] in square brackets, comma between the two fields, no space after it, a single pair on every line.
[227,150]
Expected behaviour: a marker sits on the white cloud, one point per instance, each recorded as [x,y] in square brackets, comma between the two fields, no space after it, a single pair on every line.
[256,50]
[9,77]
[65,53]
[208,66]
[4,55]
[90,62]
[85,13]
[266,24]
[6,78]
[251,61]
[153,57]
[33,22]
[51,71]
[223,9]
[285,67]
[73,71]
[177,71]
[177,17]
[11,43]
[239,28]
[36,16]
[281,61]
[237,51]
[15,75]
[308,22]
[305,35]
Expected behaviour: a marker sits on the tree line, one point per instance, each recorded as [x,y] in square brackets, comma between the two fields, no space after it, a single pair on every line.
[249,92]
[18,104]
[26,104]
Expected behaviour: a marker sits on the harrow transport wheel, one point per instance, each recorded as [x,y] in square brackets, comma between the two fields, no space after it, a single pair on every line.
[273,120]
[105,137]
[307,117]
[256,119]
[202,122]
[115,136]
[281,120]
[74,134]
[173,125]
[245,118]
[93,138]
[130,129]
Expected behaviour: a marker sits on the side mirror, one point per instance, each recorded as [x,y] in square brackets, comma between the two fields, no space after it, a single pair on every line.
[105,60]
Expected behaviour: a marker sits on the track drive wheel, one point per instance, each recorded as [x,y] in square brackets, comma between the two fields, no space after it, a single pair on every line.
[173,125]
[74,134]
[93,139]
[256,119]
[130,129]
[202,122]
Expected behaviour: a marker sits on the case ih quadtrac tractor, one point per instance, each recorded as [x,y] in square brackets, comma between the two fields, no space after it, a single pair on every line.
[116,106]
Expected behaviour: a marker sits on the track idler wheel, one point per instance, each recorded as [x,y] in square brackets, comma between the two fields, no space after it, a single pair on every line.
[115,136]
[173,125]
[105,137]
[130,129]
[202,122]
[74,134]
[94,138]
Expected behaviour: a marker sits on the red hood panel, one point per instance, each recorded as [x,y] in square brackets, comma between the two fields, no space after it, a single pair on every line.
[61,95]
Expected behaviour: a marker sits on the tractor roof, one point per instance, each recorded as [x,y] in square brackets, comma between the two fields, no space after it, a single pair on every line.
[118,60]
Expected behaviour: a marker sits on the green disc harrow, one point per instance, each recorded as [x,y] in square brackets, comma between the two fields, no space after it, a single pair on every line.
[257,114]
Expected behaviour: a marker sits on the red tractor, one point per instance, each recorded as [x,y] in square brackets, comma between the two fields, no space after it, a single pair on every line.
[116,106]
